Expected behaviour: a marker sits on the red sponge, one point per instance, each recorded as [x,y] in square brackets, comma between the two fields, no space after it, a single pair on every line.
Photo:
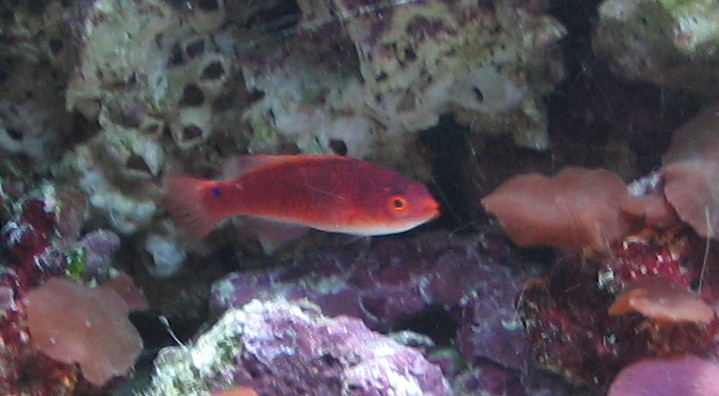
[73,323]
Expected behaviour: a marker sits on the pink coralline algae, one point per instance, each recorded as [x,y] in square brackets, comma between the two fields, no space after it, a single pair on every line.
[680,376]
[38,245]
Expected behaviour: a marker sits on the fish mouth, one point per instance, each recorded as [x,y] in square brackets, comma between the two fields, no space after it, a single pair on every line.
[433,209]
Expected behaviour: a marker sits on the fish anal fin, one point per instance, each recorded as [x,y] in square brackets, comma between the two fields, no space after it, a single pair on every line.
[184,200]
[271,234]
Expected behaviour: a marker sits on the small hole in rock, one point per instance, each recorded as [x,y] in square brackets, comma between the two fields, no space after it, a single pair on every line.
[56,45]
[254,372]
[191,132]
[208,5]
[213,71]
[36,7]
[409,54]
[224,101]
[192,96]
[255,95]
[478,94]
[176,56]
[151,129]
[195,49]
[6,68]
[137,163]
[338,146]
[14,134]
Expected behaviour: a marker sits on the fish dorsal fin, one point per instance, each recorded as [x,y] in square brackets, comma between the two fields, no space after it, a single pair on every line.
[239,164]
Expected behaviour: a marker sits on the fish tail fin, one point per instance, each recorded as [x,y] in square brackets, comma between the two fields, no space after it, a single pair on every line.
[185,200]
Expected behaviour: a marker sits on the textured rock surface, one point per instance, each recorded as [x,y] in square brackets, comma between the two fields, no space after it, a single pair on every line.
[665,42]
[282,348]
[41,243]
[397,279]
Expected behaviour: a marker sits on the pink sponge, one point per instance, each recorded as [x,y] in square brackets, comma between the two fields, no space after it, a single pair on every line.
[73,323]
[680,376]
[577,207]
[691,172]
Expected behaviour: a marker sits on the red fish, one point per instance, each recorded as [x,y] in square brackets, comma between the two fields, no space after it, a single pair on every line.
[325,192]
[238,391]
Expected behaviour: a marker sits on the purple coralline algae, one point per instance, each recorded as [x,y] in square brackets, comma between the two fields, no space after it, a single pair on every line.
[490,328]
[290,348]
[475,283]
[398,278]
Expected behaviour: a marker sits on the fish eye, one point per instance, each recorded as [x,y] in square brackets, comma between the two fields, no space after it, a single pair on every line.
[398,203]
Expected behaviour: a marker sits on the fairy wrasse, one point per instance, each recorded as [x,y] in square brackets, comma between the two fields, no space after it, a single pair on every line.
[325,192]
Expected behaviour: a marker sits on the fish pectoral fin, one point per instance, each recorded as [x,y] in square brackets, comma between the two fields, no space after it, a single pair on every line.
[272,234]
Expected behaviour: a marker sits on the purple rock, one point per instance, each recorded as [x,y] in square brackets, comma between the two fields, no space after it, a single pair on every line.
[99,245]
[290,348]
[396,279]
[490,327]
[489,379]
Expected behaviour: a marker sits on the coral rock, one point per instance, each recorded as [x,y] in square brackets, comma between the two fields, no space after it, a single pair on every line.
[283,348]
[664,42]
[398,278]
